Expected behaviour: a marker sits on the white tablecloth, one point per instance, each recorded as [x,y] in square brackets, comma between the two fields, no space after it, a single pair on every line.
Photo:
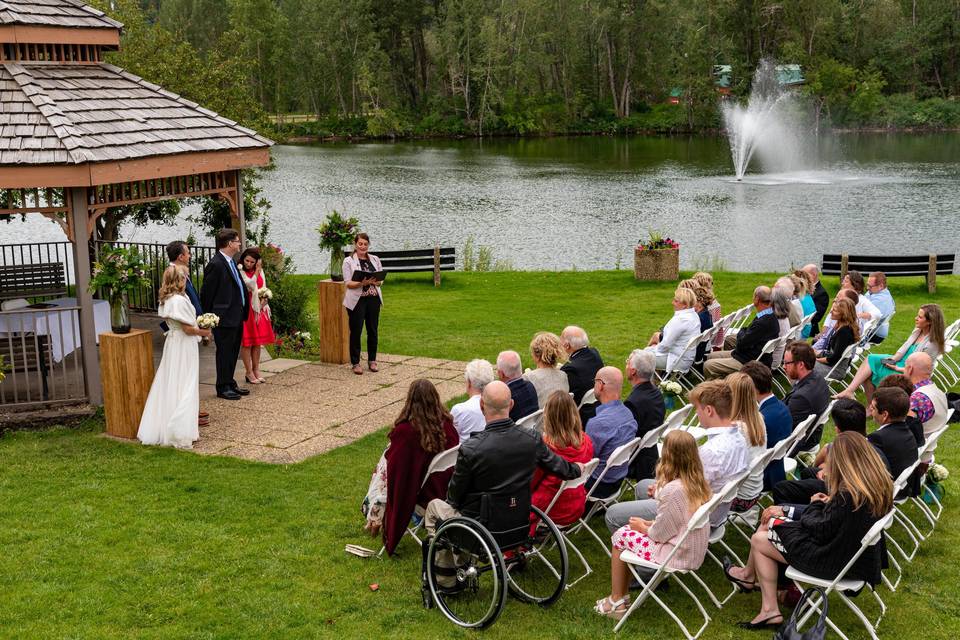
[63,327]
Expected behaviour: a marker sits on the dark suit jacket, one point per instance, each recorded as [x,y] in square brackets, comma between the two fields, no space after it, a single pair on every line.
[810,395]
[194,300]
[646,404]
[220,293]
[524,396]
[821,300]
[899,447]
[581,369]
[750,341]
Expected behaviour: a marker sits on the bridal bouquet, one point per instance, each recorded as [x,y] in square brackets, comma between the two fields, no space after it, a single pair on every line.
[264,294]
[208,321]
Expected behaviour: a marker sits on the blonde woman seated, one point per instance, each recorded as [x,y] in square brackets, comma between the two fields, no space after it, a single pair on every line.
[684,325]
[547,353]
[170,414]
[745,413]
[680,490]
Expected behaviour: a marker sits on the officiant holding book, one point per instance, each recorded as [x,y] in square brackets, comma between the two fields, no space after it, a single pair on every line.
[363,300]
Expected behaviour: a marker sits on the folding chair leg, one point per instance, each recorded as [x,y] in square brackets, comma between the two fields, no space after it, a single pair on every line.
[586,565]
[649,592]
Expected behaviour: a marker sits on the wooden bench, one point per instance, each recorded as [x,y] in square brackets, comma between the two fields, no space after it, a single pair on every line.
[39,280]
[419,260]
[929,266]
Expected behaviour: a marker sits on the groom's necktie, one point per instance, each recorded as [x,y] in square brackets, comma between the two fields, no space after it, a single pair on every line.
[236,278]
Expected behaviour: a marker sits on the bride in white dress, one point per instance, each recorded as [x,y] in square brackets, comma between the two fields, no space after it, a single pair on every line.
[170,415]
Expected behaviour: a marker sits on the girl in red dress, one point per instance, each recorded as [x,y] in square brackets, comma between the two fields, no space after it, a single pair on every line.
[257,328]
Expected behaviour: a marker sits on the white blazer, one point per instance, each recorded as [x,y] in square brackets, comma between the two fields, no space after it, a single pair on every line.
[351,264]
[684,325]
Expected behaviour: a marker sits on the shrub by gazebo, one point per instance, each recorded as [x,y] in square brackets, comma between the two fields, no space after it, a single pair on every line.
[79,136]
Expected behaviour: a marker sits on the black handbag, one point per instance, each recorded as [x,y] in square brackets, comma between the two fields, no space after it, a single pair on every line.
[818,631]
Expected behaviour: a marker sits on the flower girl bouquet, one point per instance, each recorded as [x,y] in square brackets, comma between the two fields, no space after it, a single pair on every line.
[208,321]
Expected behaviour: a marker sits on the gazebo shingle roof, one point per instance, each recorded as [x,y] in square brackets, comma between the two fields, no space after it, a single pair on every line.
[71,114]
[54,13]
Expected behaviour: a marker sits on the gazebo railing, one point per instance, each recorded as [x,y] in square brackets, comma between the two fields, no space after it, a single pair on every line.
[35,253]
[155,255]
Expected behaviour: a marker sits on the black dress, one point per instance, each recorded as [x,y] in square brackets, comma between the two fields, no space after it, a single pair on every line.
[827,535]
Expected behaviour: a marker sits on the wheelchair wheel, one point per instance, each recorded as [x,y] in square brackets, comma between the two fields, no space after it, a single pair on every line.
[465,573]
[537,570]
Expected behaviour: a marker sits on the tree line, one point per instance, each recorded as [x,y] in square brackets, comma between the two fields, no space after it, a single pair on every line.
[477,67]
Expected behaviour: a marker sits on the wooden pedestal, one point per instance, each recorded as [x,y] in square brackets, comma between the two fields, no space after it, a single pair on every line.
[126,371]
[334,327]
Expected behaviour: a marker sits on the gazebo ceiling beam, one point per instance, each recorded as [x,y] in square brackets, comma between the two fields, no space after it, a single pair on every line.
[59,35]
[94,174]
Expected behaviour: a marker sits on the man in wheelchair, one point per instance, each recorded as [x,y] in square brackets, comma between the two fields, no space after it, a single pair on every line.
[491,481]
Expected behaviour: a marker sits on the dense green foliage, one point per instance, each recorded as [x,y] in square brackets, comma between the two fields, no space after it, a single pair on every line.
[469,67]
[112,540]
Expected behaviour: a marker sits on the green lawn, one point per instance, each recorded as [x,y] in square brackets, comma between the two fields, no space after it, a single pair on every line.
[100,539]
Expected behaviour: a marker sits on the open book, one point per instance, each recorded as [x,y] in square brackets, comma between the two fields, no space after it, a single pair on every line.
[360,276]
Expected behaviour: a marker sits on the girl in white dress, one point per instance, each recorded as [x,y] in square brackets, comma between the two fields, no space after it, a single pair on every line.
[170,415]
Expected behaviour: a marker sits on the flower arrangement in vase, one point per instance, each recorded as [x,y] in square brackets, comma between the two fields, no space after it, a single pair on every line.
[117,273]
[337,232]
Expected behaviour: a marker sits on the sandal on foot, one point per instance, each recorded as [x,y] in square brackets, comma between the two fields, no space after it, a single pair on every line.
[772,622]
[741,585]
[615,609]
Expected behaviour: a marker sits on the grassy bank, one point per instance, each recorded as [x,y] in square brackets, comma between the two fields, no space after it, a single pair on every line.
[102,539]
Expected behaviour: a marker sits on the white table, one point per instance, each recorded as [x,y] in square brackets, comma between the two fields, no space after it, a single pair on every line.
[62,325]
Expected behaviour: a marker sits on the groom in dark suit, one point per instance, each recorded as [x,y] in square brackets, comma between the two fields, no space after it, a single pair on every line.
[223,293]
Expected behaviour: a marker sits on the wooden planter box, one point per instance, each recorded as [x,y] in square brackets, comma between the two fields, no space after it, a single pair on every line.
[656,264]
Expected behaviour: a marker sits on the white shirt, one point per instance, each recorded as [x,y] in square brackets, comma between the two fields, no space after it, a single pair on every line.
[725,454]
[684,325]
[467,418]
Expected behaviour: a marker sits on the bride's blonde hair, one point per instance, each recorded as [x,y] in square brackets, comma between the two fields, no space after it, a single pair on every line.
[174,281]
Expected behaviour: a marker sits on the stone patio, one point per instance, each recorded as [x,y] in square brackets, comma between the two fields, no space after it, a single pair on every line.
[308,408]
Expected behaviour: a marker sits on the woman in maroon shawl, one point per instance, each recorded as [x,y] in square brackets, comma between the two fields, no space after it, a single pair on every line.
[423,429]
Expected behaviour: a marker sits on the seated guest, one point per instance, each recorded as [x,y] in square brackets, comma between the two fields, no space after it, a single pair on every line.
[927,337]
[749,341]
[613,426]
[647,406]
[509,370]
[900,381]
[824,338]
[927,402]
[684,325]
[776,417]
[810,393]
[702,307]
[805,293]
[563,434]
[782,308]
[467,417]
[547,352]
[822,539]
[498,461]
[821,299]
[746,415]
[787,285]
[724,455]
[422,430]
[848,416]
[893,437]
[706,281]
[879,295]
[680,490]
[866,310]
[583,362]
[846,331]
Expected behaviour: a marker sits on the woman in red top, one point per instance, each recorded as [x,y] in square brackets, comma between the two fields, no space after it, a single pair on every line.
[563,433]
[257,328]
[423,429]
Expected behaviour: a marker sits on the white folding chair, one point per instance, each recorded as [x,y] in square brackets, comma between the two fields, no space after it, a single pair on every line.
[588,398]
[676,419]
[443,461]
[780,449]
[620,456]
[837,377]
[530,420]
[567,485]
[841,585]
[790,462]
[680,375]
[717,534]
[928,448]
[701,518]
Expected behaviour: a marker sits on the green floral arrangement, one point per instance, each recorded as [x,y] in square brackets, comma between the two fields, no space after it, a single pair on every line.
[337,232]
[119,271]
[657,240]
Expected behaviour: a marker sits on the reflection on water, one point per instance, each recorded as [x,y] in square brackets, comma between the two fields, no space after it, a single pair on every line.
[563,203]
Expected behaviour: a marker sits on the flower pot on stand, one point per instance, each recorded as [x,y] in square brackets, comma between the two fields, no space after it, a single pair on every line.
[120,314]
[336,264]
[656,264]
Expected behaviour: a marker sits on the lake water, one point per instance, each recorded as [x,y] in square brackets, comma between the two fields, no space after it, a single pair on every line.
[582,203]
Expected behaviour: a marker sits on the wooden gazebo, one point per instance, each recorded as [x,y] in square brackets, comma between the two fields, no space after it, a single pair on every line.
[78,136]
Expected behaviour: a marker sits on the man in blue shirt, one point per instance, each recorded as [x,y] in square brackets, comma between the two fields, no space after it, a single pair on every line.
[776,417]
[613,426]
[880,296]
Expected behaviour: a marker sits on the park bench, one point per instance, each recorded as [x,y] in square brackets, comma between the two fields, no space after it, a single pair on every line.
[419,260]
[39,280]
[929,266]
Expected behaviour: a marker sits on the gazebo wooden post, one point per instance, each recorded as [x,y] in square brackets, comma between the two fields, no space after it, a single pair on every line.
[239,219]
[77,221]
